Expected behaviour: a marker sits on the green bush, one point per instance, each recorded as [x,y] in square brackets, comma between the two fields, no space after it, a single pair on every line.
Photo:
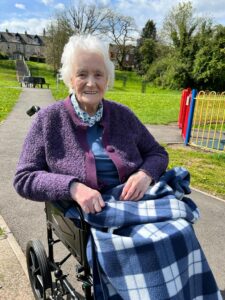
[3,56]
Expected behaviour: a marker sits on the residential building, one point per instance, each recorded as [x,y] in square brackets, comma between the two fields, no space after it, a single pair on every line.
[18,45]
[129,60]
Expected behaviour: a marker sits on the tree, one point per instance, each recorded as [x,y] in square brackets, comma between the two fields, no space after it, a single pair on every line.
[89,19]
[81,18]
[209,63]
[146,51]
[179,30]
[120,30]
[149,31]
[58,33]
[179,27]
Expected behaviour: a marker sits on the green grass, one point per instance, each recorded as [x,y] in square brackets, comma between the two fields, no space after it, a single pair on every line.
[9,87]
[206,168]
[150,108]
[8,74]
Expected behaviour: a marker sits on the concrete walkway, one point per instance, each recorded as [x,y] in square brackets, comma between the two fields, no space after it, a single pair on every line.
[26,219]
[16,212]
[167,134]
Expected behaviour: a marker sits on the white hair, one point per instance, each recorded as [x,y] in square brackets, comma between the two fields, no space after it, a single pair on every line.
[87,43]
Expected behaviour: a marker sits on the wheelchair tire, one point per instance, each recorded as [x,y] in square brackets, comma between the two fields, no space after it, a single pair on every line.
[38,270]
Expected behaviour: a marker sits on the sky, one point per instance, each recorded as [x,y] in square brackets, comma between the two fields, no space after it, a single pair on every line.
[34,15]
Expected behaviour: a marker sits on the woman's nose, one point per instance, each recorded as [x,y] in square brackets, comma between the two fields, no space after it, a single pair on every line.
[90,81]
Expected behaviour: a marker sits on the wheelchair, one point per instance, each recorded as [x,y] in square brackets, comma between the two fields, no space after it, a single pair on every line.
[46,275]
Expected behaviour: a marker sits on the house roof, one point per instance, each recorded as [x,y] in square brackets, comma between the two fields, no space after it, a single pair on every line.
[21,38]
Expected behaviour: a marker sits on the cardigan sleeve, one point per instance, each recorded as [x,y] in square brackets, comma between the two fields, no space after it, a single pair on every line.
[155,158]
[33,179]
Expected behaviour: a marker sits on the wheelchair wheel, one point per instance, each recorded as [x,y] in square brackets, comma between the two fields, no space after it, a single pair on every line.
[38,270]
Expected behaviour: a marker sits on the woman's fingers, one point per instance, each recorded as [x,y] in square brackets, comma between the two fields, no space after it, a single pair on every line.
[101,202]
[126,189]
[89,199]
[86,209]
[131,194]
[97,206]
[136,186]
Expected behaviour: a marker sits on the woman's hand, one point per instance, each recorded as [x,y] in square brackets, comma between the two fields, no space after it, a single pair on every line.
[89,200]
[136,186]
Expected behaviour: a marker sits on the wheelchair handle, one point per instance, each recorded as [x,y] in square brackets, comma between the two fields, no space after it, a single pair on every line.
[31,111]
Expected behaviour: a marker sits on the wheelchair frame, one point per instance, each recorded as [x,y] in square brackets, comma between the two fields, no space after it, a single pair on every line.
[46,276]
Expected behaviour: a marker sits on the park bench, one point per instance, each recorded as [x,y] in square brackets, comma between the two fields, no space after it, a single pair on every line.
[31,81]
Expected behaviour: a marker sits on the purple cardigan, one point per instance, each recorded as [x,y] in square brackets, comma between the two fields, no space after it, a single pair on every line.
[56,153]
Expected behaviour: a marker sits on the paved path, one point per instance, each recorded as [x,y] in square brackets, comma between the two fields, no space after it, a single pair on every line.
[166,134]
[26,219]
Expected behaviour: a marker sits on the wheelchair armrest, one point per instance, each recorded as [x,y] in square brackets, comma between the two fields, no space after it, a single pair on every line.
[71,210]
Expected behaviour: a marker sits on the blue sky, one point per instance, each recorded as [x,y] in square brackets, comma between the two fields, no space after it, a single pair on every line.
[34,15]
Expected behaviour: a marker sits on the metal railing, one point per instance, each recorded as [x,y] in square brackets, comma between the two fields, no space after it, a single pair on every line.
[208,128]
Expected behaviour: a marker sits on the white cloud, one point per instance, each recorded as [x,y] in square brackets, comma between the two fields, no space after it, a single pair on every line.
[20,6]
[100,3]
[47,2]
[212,9]
[60,6]
[32,25]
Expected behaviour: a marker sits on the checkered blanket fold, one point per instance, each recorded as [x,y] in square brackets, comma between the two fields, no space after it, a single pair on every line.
[148,249]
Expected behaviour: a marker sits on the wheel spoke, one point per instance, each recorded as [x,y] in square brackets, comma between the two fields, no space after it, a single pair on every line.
[33,258]
[40,281]
[38,285]
[36,271]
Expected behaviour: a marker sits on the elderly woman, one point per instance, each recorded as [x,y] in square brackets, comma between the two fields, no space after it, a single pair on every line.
[80,147]
[86,149]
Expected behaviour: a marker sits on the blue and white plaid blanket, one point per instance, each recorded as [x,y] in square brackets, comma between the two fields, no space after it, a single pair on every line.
[148,249]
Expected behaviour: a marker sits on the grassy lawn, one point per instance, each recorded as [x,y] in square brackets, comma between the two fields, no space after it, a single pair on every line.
[150,108]
[206,168]
[9,87]
[8,74]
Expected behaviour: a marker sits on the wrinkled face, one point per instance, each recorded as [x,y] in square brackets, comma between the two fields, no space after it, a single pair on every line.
[89,81]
